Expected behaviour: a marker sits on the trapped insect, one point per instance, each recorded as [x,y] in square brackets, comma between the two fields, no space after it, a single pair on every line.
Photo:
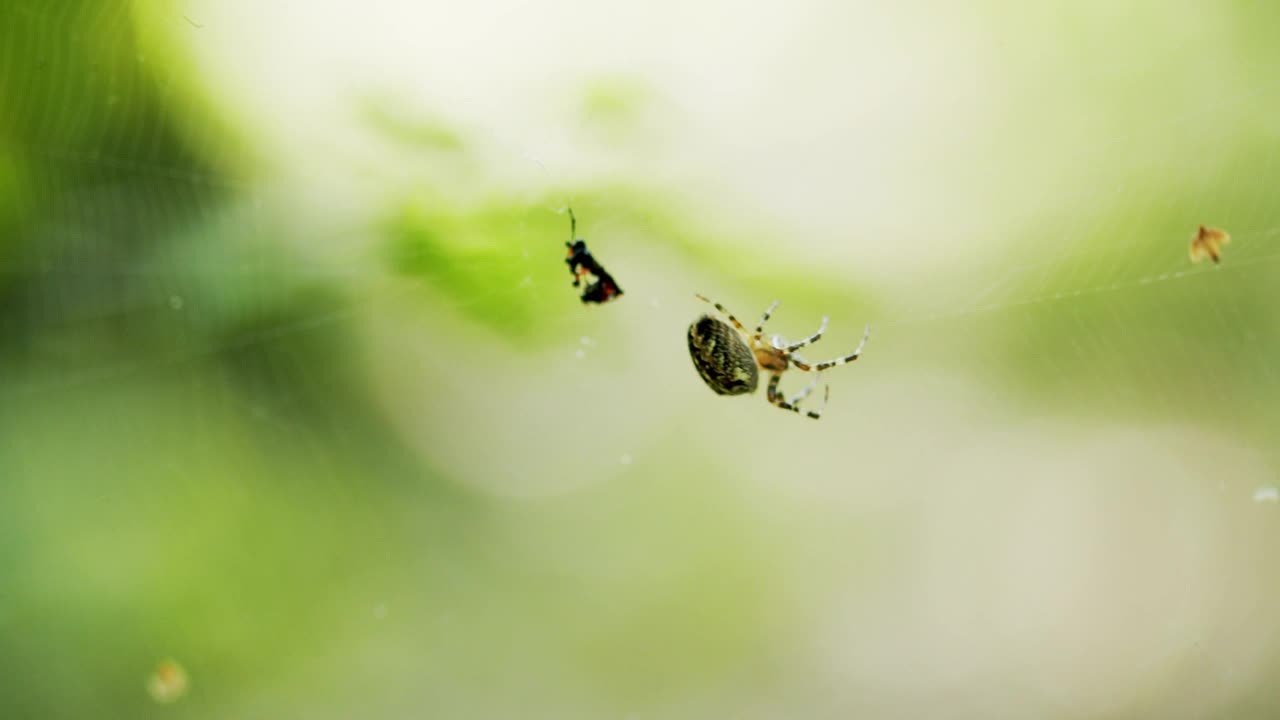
[600,286]
[730,360]
[1207,243]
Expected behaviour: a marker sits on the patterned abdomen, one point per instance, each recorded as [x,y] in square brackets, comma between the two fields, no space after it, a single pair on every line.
[723,360]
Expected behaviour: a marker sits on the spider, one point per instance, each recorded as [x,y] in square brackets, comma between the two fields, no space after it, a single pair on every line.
[729,359]
[601,287]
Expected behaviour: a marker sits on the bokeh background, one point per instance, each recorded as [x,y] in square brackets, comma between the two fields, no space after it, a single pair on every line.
[295,391]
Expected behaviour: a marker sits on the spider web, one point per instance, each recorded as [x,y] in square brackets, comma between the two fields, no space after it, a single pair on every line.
[124,283]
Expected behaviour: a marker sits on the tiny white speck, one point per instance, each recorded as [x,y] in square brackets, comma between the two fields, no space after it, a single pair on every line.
[584,340]
[527,281]
[579,354]
[625,459]
[1266,493]
[653,302]
[379,611]
[175,302]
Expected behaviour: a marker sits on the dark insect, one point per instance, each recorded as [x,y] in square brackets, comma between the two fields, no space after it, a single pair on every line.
[730,360]
[599,285]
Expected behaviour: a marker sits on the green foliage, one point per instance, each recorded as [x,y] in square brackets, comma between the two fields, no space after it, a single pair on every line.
[419,133]
[488,260]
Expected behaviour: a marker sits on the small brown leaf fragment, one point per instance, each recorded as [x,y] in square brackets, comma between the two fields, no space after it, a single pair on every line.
[168,683]
[1207,243]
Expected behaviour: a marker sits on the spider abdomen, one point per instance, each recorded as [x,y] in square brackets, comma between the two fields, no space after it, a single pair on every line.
[722,358]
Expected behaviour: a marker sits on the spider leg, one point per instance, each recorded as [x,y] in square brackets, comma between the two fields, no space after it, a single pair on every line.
[776,398]
[795,400]
[724,312]
[811,339]
[832,363]
[573,224]
[772,391]
[765,319]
